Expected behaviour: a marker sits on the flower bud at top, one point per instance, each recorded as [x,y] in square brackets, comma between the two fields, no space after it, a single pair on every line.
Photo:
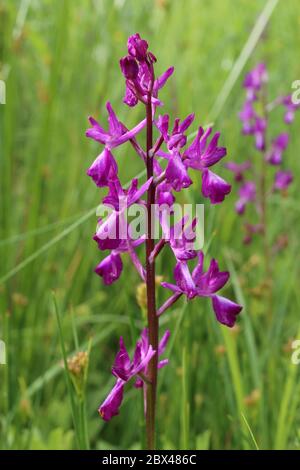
[137,47]
[129,67]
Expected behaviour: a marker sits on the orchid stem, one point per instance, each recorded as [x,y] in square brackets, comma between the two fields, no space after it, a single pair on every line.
[264,216]
[144,378]
[150,284]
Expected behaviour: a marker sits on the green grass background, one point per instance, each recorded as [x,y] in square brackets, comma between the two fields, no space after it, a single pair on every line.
[222,389]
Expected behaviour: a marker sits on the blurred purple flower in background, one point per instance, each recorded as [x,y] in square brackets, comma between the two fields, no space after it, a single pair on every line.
[255,118]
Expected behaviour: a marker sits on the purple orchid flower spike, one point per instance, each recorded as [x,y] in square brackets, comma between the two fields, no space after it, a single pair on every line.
[283,179]
[214,187]
[247,193]
[204,284]
[279,145]
[255,117]
[167,160]
[124,369]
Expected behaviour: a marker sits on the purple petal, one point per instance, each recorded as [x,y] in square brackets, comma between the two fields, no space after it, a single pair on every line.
[142,364]
[115,127]
[283,179]
[160,81]
[176,173]
[172,287]
[121,367]
[130,134]
[129,67]
[163,342]
[135,195]
[186,122]
[137,47]
[104,169]
[110,268]
[214,187]
[193,151]
[109,232]
[213,280]
[184,279]
[130,98]
[110,406]
[238,169]
[225,310]
[164,194]
[198,271]
[162,124]
[162,363]
[96,132]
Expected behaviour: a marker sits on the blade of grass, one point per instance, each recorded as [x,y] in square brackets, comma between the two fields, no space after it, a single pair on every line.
[250,432]
[75,417]
[242,59]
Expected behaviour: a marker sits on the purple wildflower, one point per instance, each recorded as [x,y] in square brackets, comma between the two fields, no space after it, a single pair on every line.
[164,179]
[247,193]
[180,237]
[283,179]
[205,284]
[255,115]
[176,173]
[238,169]
[104,169]
[254,81]
[125,369]
[177,138]
[274,156]
[290,109]
[164,194]
[201,154]
[110,268]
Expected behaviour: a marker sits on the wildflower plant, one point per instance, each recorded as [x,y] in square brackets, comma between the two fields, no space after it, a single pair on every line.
[252,179]
[167,159]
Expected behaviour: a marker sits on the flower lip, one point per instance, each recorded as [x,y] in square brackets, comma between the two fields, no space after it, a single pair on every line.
[214,187]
